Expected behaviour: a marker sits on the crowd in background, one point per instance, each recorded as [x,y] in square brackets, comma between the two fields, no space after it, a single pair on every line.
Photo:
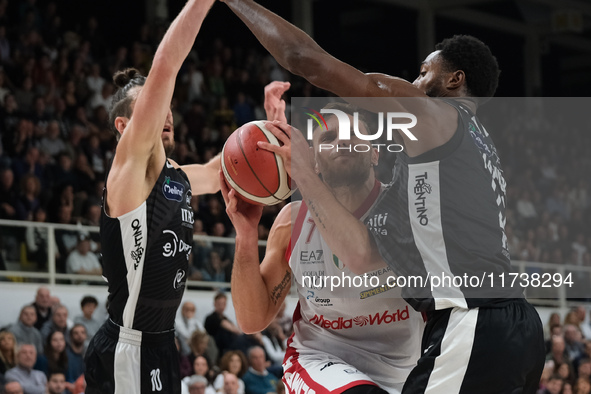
[44,349]
[216,356]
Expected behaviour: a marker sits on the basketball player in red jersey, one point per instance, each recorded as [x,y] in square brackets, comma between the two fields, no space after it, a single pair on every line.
[348,339]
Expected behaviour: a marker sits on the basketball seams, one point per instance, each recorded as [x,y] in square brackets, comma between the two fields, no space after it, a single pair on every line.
[243,145]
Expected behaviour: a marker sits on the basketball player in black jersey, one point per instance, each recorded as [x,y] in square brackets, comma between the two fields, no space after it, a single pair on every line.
[147,225]
[475,341]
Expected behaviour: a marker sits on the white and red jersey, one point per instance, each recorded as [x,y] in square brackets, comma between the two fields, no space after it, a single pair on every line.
[366,325]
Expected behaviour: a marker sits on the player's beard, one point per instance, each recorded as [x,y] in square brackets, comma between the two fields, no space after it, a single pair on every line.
[355,174]
[168,146]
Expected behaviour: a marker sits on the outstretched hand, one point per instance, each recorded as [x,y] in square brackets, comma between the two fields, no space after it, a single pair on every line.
[244,216]
[274,104]
[297,155]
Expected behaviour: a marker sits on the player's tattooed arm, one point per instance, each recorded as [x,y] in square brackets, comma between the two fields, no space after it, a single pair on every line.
[278,291]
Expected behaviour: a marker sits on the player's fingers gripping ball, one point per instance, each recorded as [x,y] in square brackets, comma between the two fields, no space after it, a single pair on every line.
[257,175]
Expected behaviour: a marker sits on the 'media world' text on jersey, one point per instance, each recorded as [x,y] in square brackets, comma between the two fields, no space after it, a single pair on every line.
[369,327]
[146,253]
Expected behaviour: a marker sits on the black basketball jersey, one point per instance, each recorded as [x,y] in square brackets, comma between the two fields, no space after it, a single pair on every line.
[444,215]
[146,253]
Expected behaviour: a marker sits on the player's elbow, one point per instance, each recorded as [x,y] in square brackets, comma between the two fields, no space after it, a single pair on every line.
[303,62]
[359,261]
[249,326]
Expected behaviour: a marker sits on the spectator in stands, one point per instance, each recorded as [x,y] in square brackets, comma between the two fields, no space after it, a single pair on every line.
[28,201]
[75,350]
[201,368]
[204,345]
[257,379]
[88,305]
[198,385]
[58,322]
[584,369]
[557,350]
[56,384]
[186,323]
[185,367]
[62,173]
[573,341]
[55,357]
[36,239]
[554,385]
[25,331]
[82,260]
[553,320]
[565,371]
[7,351]
[95,81]
[31,380]
[274,342]
[582,386]
[8,194]
[231,384]
[284,320]
[42,306]
[216,271]
[584,321]
[13,388]
[235,363]
[85,175]
[29,162]
[219,326]
[52,143]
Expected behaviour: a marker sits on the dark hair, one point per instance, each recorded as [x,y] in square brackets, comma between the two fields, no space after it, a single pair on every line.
[88,300]
[469,54]
[225,361]
[61,363]
[220,295]
[121,103]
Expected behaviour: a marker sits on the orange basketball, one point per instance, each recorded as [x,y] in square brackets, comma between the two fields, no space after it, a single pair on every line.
[257,175]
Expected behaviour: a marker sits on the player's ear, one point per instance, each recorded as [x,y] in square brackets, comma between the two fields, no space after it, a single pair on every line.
[456,80]
[375,157]
[121,123]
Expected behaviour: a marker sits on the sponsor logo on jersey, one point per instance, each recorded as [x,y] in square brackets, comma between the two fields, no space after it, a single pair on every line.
[175,245]
[178,282]
[337,262]
[316,284]
[377,223]
[173,190]
[375,291]
[478,137]
[187,217]
[137,253]
[328,364]
[421,189]
[379,318]
[311,296]
[312,256]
